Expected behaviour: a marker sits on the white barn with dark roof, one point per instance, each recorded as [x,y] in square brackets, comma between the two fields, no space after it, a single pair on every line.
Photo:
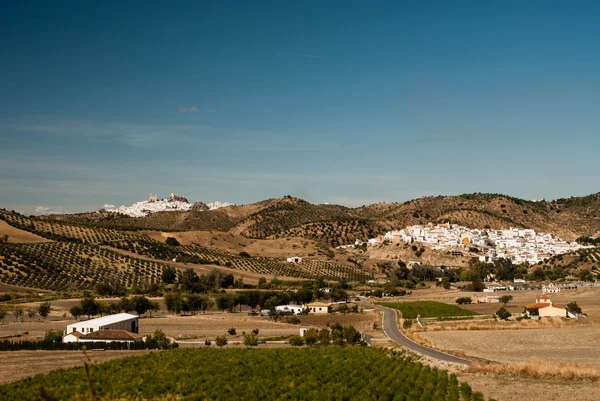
[120,321]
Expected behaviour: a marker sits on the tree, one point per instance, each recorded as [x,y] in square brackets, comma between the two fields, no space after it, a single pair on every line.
[250,340]
[324,337]
[76,311]
[505,299]
[296,341]
[31,313]
[221,341]
[207,303]
[477,285]
[464,300]
[53,336]
[141,304]
[89,305]
[232,331]
[503,313]
[18,312]
[252,298]
[154,307]
[194,302]
[4,239]
[159,340]
[173,302]
[585,275]
[225,302]
[189,280]
[351,335]
[311,337]
[44,309]
[169,275]
[171,241]
[574,308]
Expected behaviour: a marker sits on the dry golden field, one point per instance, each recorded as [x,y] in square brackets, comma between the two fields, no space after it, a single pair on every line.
[573,344]
[17,236]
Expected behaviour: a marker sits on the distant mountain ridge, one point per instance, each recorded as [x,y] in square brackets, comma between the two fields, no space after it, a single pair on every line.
[336,225]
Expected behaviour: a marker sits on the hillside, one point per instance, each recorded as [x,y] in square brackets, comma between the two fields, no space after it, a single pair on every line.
[336,225]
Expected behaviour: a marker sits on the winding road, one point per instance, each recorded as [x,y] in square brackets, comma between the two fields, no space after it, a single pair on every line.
[391,329]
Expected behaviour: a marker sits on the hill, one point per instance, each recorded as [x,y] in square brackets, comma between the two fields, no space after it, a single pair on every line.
[335,225]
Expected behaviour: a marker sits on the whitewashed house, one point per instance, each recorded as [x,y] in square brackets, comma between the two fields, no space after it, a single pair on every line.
[120,321]
[294,259]
[295,309]
[546,308]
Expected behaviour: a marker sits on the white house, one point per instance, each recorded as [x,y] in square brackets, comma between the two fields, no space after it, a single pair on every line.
[546,308]
[294,259]
[550,288]
[318,307]
[120,321]
[295,309]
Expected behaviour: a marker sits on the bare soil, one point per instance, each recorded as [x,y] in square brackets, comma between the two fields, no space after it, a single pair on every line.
[17,365]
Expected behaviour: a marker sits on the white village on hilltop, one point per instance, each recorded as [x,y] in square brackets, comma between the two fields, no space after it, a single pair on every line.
[153,205]
[520,245]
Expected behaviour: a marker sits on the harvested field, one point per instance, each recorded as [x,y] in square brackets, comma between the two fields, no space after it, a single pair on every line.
[517,389]
[577,344]
[18,365]
[17,236]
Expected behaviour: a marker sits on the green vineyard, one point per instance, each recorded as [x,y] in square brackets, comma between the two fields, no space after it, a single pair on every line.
[345,373]
[64,266]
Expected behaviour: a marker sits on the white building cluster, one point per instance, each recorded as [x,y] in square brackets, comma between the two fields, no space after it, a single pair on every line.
[520,245]
[153,205]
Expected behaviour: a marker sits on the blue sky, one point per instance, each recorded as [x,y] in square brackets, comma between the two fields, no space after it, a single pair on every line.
[340,102]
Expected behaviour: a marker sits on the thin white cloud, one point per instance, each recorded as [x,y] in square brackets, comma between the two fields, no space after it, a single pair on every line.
[45,211]
[192,109]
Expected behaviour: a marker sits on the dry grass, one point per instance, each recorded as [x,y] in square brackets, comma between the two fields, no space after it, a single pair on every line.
[16,236]
[489,324]
[577,344]
[539,369]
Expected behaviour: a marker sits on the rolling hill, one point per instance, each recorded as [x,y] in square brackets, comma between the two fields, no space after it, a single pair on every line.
[336,225]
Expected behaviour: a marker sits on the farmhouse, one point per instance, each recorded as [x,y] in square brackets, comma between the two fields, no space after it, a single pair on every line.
[318,307]
[110,336]
[546,308]
[295,309]
[294,259]
[551,288]
[120,321]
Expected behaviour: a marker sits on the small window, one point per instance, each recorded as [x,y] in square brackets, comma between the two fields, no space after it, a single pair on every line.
[74,329]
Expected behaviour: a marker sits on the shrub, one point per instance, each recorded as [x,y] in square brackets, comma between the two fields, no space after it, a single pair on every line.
[172,241]
[464,300]
[250,340]
[407,324]
[207,343]
[296,341]
[231,331]
[221,341]
[503,313]
[293,320]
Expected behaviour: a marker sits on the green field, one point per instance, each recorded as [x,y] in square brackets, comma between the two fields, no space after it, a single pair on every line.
[410,310]
[346,373]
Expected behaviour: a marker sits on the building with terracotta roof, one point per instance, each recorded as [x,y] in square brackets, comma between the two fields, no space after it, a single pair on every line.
[110,336]
[546,308]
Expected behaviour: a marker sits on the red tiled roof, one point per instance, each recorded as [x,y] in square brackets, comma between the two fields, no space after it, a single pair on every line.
[541,305]
[75,334]
[112,335]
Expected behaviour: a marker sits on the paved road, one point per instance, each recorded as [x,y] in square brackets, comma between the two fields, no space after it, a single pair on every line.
[390,327]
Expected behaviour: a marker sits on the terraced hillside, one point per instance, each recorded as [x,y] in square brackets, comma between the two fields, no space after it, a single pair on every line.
[334,225]
[62,266]
[91,239]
